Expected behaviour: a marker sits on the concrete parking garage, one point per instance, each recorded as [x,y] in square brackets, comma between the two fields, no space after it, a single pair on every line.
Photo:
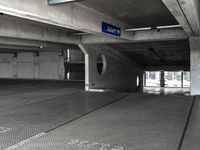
[99,75]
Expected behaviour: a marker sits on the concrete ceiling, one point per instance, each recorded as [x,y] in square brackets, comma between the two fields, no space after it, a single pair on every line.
[145,13]
[168,53]
[13,44]
[4,17]
[138,13]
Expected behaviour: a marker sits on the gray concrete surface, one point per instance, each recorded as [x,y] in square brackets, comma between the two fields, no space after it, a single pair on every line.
[45,115]
[120,71]
[194,65]
[25,92]
[192,135]
[33,107]
[186,12]
[137,122]
[172,52]
[48,65]
[166,91]
[137,13]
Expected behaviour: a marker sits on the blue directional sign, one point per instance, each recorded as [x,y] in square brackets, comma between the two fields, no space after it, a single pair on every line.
[111,29]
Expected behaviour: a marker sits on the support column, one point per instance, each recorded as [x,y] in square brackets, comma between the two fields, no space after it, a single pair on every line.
[195,65]
[87,66]
[182,79]
[145,78]
[36,66]
[15,65]
[162,79]
[61,68]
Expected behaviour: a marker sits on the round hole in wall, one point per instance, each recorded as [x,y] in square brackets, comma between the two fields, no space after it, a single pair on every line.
[101,64]
[138,81]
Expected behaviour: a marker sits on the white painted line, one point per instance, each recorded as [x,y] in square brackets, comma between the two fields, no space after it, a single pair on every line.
[25,141]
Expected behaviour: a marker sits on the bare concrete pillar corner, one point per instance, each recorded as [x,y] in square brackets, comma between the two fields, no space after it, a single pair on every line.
[195,65]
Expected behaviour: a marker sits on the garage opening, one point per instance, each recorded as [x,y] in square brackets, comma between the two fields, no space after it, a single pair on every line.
[152,79]
[179,79]
[167,82]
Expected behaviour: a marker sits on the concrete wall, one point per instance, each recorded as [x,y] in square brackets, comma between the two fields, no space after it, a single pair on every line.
[6,65]
[51,65]
[120,74]
[28,65]
[195,65]
[25,65]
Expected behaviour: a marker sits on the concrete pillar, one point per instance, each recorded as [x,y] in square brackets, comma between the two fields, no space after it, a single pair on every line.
[61,67]
[141,86]
[36,70]
[195,65]
[182,79]
[162,79]
[15,65]
[144,79]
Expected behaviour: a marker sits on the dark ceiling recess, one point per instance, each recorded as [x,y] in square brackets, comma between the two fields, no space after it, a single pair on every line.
[156,54]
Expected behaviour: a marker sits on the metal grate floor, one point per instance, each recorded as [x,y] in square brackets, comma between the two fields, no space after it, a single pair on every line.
[27,113]
[192,136]
[137,122]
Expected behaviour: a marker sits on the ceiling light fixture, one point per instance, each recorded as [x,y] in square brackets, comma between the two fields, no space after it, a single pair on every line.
[54,2]
[169,27]
[151,28]
[138,29]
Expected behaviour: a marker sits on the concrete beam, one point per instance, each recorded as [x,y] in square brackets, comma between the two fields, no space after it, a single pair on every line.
[191,9]
[16,43]
[10,48]
[71,16]
[22,29]
[186,13]
[139,36]
[168,68]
